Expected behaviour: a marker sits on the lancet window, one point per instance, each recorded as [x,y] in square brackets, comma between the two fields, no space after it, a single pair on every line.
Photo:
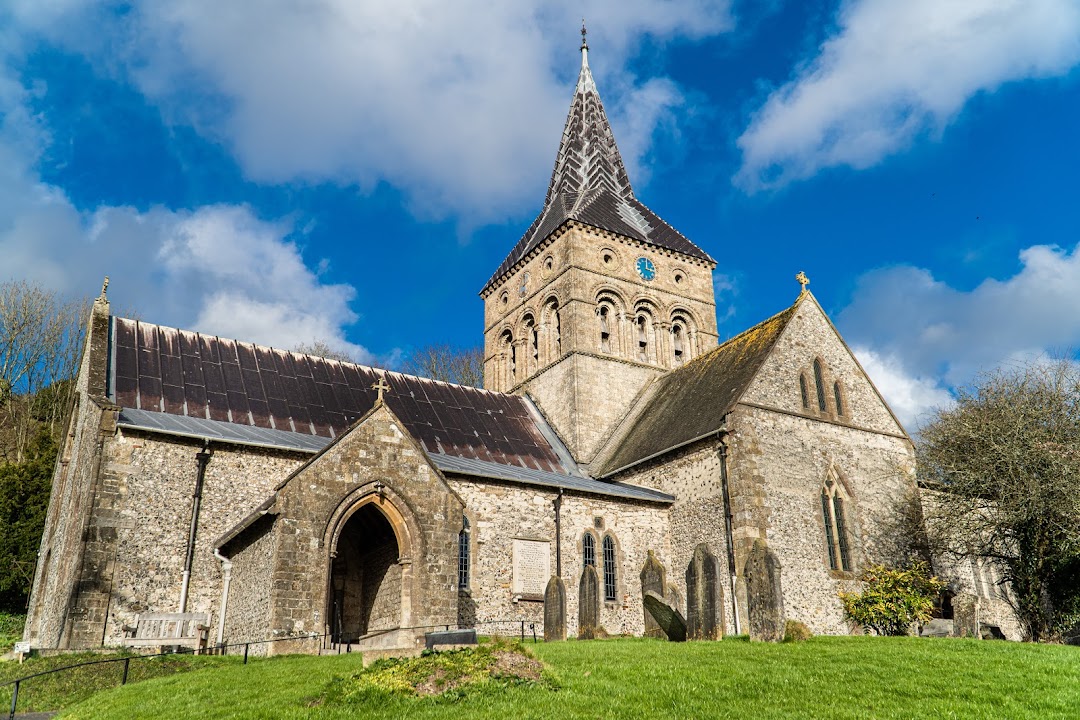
[819,382]
[836,533]
[588,550]
[464,558]
[609,569]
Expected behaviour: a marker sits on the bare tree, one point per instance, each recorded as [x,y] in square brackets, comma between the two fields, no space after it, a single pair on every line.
[321,348]
[464,366]
[1005,464]
[41,340]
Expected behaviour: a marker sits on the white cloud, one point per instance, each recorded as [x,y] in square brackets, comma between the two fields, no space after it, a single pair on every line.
[923,335]
[166,266]
[910,397]
[459,104]
[895,71]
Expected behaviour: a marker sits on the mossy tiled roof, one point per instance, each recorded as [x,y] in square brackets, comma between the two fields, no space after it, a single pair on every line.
[691,402]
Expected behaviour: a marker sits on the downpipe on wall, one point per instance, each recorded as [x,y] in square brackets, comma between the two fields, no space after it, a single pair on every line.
[728,533]
[202,459]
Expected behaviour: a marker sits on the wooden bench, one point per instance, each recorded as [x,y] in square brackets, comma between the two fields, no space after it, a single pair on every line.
[190,630]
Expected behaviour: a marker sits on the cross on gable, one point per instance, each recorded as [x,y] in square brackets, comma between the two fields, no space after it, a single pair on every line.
[381,386]
[802,280]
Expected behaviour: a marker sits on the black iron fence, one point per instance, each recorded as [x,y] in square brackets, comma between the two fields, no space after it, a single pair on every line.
[525,629]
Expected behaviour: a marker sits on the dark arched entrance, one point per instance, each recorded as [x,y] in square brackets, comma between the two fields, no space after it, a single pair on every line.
[365,577]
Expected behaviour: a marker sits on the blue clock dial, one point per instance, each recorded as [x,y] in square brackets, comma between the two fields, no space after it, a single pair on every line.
[645,268]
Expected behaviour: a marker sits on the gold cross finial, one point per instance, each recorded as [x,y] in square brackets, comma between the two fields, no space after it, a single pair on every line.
[802,280]
[381,386]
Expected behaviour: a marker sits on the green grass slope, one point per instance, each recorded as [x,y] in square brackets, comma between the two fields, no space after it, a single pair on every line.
[849,677]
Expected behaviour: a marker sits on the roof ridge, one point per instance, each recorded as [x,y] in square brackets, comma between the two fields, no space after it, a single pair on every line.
[321,357]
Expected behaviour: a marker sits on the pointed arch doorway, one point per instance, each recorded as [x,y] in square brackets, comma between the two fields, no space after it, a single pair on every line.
[368,573]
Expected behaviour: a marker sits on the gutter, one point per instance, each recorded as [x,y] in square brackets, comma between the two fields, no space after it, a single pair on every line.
[729,536]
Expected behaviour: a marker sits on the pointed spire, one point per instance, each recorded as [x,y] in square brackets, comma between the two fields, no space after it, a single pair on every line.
[588,158]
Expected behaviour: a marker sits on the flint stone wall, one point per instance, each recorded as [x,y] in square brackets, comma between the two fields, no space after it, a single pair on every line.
[498,513]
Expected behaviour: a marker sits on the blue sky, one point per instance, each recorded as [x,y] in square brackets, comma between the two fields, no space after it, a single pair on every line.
[354,171]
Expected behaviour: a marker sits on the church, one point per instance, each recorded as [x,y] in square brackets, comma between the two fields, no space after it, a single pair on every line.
[272,494]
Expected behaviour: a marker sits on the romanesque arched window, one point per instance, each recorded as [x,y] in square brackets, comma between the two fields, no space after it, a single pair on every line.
[804,392]
[554,342]
[836,534]
[819,381]
[510,358]
[533,338]
[588,550]
[838,396]
[642,331]
[609,569]
[680,341]
[604,314]
[463,555]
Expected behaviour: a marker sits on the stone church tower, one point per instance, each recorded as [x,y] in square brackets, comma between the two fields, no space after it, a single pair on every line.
[600,296]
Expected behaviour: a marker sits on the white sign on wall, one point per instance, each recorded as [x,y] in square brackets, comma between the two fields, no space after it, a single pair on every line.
[532,566]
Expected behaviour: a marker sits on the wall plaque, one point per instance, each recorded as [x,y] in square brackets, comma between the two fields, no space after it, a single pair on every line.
[532,567]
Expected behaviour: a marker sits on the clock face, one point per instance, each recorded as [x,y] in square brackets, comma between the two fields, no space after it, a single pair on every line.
[645,268]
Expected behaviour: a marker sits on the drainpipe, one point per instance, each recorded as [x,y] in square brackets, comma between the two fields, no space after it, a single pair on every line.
[558,535]
[226,570]
[202,458]
[729,536]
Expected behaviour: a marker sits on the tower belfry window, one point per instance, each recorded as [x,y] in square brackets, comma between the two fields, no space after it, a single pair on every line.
[605,329]
[677,343]
[643,338]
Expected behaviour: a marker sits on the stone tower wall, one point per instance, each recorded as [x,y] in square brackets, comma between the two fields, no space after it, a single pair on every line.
[576,265]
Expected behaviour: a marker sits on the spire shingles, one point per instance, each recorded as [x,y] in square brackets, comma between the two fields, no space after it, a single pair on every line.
[590,183]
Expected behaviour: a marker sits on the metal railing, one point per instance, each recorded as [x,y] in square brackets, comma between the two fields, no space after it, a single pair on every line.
[520,627]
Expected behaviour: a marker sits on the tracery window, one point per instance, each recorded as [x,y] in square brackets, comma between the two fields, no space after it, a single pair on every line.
[609,569]
[836,535]
[588,550]
[463,554]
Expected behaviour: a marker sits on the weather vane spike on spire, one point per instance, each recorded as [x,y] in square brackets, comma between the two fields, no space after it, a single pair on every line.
[802,280]
[584,32]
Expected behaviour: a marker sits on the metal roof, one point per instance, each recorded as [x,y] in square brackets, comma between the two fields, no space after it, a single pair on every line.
[479,468]
[182,426]
[590,184]
[240,389]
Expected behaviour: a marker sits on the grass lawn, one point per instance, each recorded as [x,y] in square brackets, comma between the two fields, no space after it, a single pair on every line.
[826,677]
[11,630]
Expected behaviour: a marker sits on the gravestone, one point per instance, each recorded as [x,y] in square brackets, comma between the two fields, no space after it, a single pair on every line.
[704,596]
[673,597]
[667,617]
[588,603]
[937,628]
[966,615]
[555,610]
[764,596]
[653,578]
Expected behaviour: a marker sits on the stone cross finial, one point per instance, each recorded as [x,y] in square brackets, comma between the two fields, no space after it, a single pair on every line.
[802,280]
[381,386]
[104,288]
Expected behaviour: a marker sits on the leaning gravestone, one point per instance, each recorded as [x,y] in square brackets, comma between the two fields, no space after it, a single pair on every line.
[555,610]
[704,596]
[667,617]
[588,604]
[764,596]
[654,579]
